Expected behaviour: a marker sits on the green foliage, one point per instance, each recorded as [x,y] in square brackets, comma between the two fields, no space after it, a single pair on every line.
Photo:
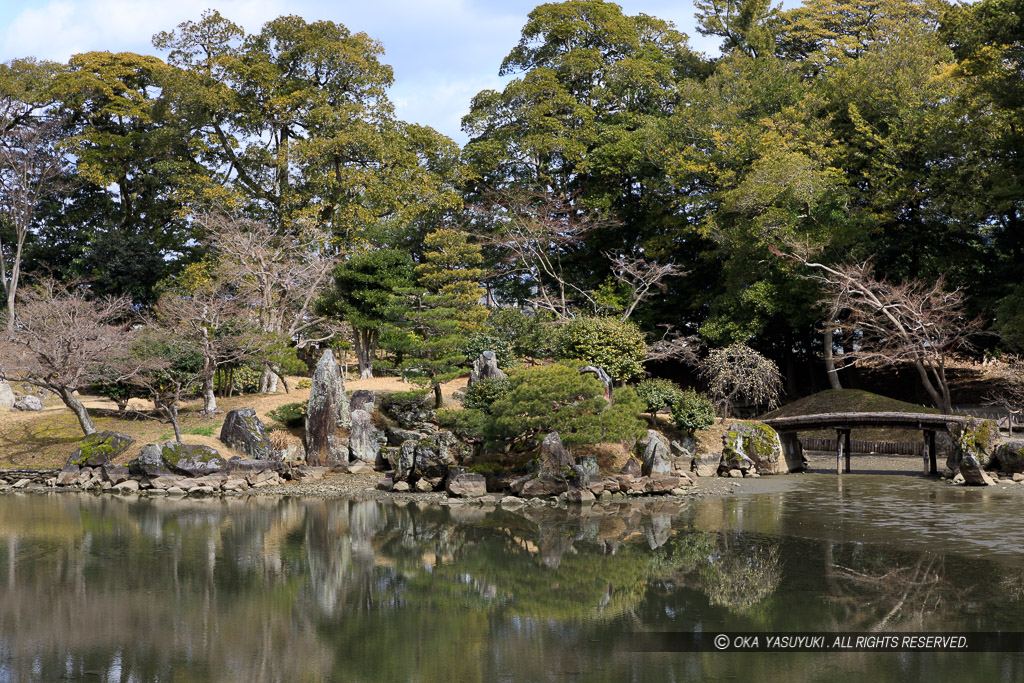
[290,414]
[558,398]
[617,346]
[692,412]
[246,379]
[482,395]
[304,383]
[531,335]
[468,423]
[658,393]
[479,342]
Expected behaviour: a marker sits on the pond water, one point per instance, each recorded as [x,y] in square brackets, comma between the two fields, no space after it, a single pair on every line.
[291,589]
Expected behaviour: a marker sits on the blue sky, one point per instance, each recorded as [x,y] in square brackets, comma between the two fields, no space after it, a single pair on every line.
[443,51]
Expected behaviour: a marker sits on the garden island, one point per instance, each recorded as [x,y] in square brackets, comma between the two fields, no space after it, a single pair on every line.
[673,344]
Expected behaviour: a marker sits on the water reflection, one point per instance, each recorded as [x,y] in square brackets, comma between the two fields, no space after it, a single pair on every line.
[303,589]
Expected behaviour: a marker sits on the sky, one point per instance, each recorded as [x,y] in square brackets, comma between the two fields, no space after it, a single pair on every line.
[442,51]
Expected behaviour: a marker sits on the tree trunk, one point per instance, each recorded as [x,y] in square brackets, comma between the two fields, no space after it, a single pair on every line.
[268,380]
[438,398]
[72,402]
[171,411]
[933,393]
[830,364]
[209,399]
[365,347]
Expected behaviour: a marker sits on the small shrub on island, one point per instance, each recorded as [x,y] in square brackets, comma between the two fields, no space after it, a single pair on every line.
[291,415]
[617,346]
[657,393]
[692,412]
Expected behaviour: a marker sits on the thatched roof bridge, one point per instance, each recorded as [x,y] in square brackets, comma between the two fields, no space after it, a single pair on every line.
[928,423]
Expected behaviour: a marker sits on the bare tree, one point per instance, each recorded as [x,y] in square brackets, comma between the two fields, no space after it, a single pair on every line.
[739,372]
[28,166]
[533,234]
[914,322]
[64,341]
[281,275]
[217,325]
[642,277]
[674,345]
[168,368]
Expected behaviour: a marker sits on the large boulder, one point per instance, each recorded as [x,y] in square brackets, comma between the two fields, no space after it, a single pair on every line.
[760,444]
[6,396]
[190,460]
[327,411]
[436,453]
[554,460]
[98,449]
[631,468]
[706,464]
[1010,456]
[28,403]
[974,437]
[972,472]
[396,437]
[485,367]
[244,432]
[588,463]
[365,440]
[654,455]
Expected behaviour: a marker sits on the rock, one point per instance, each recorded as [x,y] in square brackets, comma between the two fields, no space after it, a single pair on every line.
[759,443]
[543,487]
[1010,456]
[115,474]
[406,461]
[127,486]
[656,459]
[689,476]
[410,410]
[589,465]
[365,440]
[554,460]
[466,485]
[972,473]
[958,479]
[1018,477]
[602,376]
[685,447]
[21,483]
[485,367]
[27,403]
[360,467]
[658,485]
[511,502]
[423,486]
[401,486]
[677,492]
[736,473]
[595,485]
[632,468]
[363,399]
[976,437]
[149,462]
[327,411]
[98,449]
[6,396]
[435,454]
[396,437]
[386,484]
[244,432]
[706,465]
[610,485]
[68,478]
[248,466]
[290,454]
[191,460]
[577,497]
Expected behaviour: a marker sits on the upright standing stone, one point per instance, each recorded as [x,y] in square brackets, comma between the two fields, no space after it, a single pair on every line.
[554,460]
[328,411]
[6,396]
[485,367]
[655,455]
[365,440]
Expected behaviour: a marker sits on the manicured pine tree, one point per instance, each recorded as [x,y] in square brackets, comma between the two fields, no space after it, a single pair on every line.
[435,317]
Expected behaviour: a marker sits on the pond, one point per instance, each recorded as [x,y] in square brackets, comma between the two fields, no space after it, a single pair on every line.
[292,589]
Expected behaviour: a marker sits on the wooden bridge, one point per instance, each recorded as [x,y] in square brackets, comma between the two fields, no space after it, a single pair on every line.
[843,423]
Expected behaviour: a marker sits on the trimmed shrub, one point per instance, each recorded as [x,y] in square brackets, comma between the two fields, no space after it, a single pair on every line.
[290,414]
[658,393]
[615,345]
[692,412]
[531,333]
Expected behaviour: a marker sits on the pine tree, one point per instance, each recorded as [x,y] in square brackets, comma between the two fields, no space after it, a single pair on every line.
[435,317]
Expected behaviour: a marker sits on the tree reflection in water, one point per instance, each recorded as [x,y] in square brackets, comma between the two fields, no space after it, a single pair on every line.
[275,589]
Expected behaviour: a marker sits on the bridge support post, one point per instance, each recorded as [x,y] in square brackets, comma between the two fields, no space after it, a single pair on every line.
[930,465]
[842,447]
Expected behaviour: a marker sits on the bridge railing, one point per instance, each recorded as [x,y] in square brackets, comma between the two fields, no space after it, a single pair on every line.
[861,446]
